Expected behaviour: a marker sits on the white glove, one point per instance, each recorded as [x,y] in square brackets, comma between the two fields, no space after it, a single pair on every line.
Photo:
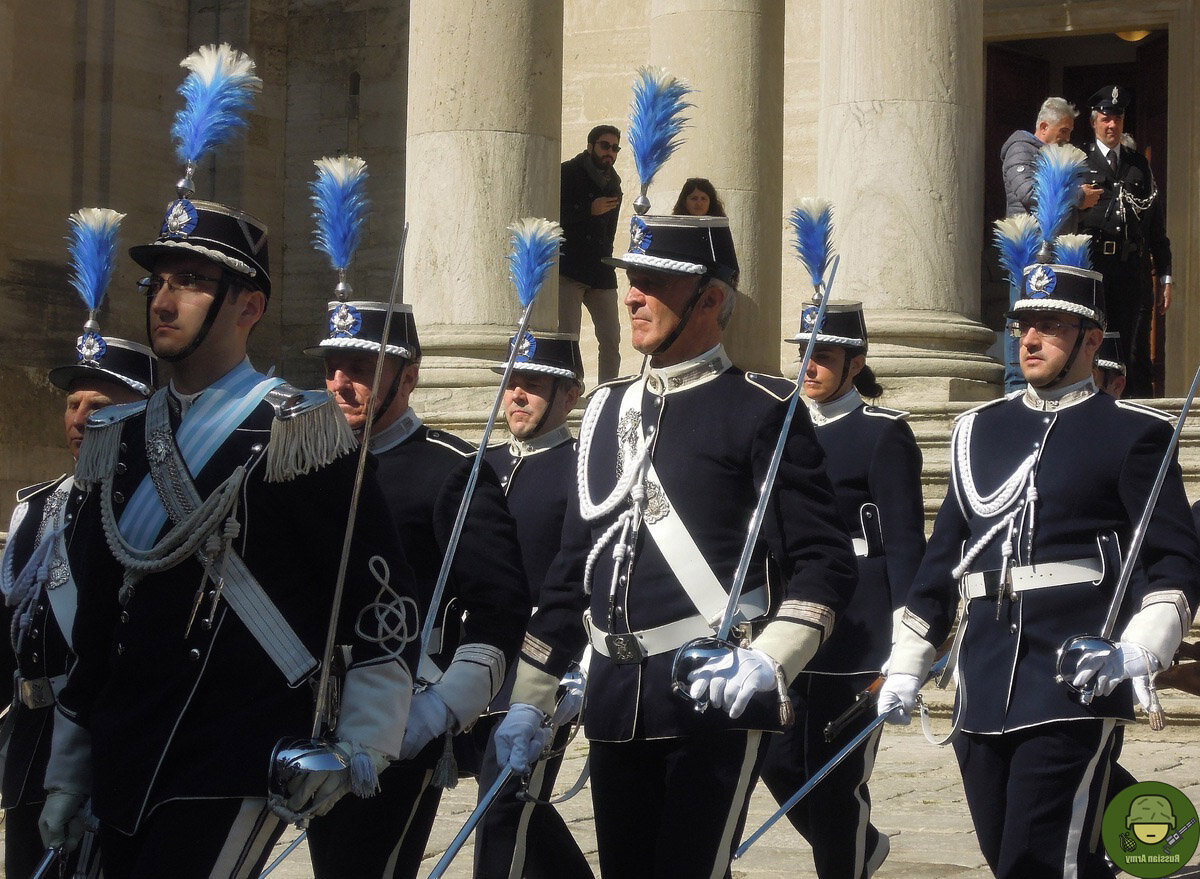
[1107,668]
[899,691]
[313,794]
[428,718]
[61,821]
[733,678]
[573,684]
[520,737]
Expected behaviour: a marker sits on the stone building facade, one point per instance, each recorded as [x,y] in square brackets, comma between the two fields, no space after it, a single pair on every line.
[463,110]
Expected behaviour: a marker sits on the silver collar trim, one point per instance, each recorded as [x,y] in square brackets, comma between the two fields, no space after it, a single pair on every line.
[396,432]
[824,413]
[1059,398]
[681,376]
[549,440]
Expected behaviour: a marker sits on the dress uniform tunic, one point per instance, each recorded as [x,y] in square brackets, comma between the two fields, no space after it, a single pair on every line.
[1043,486]
[40,658]
[516,837]
[186,714]
[481,620]
[875,466]
[670,784]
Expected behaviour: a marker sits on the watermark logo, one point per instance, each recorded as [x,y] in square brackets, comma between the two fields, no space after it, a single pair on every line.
[1150,830]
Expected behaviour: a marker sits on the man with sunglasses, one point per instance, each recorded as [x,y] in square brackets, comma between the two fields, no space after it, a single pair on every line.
[590,200]
[212,531]
[1047,487]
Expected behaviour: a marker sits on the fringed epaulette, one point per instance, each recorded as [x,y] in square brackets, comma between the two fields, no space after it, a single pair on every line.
[612,383]
[450,441]
[31,491]
[1146,410]
[101,447]
[776,385]
[983,406]
[884,412]
[308,432]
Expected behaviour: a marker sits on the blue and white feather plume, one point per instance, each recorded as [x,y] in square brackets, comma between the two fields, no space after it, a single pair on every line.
[812,229]
[93,251]
[535,243]
[218,92]
[340,203]
[1057,176]
[1073,250]
[1017,238]
[655,122]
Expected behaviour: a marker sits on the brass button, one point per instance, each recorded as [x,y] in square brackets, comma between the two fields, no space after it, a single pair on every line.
[121,468]
[118,498]
[194,654]
[1013,628]
[120,649]
[33,657]
[124,616]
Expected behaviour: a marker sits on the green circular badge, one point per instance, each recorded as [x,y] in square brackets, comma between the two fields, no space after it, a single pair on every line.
[1150,830]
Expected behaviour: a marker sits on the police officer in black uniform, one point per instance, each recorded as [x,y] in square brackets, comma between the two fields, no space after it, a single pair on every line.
[1128,233]
[518,836]
[1045,486]
[671,466]
[483,610]
[1109,369]
[875,465]
[40,593]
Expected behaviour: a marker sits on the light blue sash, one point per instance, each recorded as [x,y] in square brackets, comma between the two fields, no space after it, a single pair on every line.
[217,412]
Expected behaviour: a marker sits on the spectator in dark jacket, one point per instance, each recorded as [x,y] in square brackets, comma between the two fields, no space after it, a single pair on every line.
[1055,122]
[590,201]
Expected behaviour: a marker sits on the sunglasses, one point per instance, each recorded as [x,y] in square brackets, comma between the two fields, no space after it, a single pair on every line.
[608,145]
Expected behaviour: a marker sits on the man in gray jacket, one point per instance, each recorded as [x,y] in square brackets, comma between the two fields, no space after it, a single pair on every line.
[1055,122]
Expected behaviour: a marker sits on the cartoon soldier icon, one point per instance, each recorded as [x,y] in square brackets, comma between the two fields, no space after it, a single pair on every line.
[1150,818]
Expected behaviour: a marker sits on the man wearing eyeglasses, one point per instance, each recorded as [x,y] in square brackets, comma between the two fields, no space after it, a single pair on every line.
[212,527]
[590,200]
[1046,490]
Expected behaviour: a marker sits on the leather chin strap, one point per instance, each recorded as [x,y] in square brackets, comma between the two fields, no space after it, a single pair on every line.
[685,316]
[1049,386]
[393,388]
[537,428]
[201,334]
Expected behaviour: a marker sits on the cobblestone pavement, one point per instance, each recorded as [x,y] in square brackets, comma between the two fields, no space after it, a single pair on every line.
[916,792]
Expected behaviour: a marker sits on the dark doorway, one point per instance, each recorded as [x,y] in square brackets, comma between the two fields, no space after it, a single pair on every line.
[1021,74]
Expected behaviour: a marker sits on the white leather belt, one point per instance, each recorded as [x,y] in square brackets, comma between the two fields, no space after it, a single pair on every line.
[662,639]
[39,692]
[1023,578]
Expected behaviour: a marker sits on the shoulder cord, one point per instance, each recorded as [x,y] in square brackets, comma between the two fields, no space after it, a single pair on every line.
[22,590]
[184,538]
[1005,497]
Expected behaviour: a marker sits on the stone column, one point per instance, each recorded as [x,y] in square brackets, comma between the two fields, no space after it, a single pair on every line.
[484,120]
[899,153]
[732,54]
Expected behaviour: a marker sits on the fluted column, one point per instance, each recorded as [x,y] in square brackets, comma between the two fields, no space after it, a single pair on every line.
[899,153]
[484,120]
[732,54]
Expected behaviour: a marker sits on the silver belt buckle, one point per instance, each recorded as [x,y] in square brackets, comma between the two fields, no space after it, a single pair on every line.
[624,649]
[1110,248]
[36,693]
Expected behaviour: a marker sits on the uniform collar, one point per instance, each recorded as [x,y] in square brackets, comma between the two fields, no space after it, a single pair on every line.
[1059,398]
[548,440]
[681,376]
[824,413]
[1105,149]
[396,432]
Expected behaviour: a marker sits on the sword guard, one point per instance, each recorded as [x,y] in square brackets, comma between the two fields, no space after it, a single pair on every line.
[1071,654]
[690,657]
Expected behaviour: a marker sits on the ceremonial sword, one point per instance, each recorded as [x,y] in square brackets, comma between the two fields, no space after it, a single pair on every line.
[698,651]
[1075,649]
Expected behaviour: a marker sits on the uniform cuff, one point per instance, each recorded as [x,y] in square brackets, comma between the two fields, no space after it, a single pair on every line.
[1160,624]
[70,766]
[472,679]
[911,654]
[790,644]
[534,687]
[374,710]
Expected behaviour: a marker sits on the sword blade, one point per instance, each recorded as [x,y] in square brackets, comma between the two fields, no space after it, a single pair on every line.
[287,851]
[43,868]
[473,819]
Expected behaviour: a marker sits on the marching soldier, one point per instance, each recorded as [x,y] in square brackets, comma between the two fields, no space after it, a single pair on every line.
[1127,229]
[40,593]
[482,613]
[207,589]
[521,837]
[875,466]
[671,463]
[1045,487]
